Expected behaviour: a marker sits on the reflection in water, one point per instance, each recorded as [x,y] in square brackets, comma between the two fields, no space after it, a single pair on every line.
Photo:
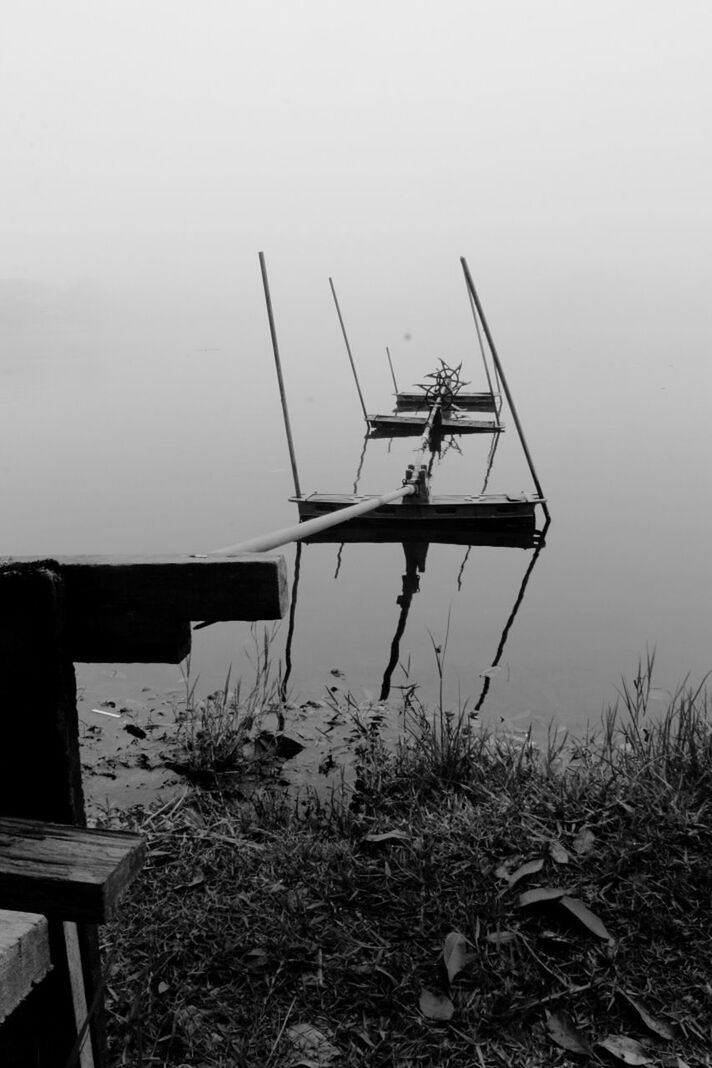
[513,613]
[292,618]
[415,554]
[415,561]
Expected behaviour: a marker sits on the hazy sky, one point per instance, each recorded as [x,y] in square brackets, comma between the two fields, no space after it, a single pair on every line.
[165,142]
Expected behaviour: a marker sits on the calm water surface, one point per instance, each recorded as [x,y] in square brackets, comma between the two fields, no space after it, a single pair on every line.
[168,438]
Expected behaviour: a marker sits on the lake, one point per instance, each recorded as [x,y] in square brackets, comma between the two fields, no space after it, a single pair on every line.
[157,428]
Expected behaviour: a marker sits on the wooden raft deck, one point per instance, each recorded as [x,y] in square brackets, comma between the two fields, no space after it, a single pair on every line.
[412,400]
[397,424]
[447,512]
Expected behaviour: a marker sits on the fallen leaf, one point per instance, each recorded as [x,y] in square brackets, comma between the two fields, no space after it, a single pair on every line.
[311,1046]
[558,853]
[584,841]
[503,872]
[658,1027]
[530,868]
[454,954]
[436,1006]
[489,672]
[540,895]
[565,1033]
[583,914]
[625,1049]
[500,938]
[137,732]
[388,836]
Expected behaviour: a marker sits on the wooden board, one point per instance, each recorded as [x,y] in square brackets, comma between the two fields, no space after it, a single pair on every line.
[396,425]
[24,957]
[414,400]
[441,509]
[250,587]
[69,873]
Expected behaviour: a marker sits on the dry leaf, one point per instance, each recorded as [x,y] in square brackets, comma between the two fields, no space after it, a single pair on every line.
[502,872]
[530,868]
[584,841]
[625,1049]
[558,853]
[500,938]
[658,1027]
[584,915]
[311,1047]
[436,1006]
[565,1033]
[540,895]
[388,836]
[454,954]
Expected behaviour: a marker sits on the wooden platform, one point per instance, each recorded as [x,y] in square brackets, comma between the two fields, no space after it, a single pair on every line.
[139,608]
[70,873]
[414,400]
[446,513]
[399,425]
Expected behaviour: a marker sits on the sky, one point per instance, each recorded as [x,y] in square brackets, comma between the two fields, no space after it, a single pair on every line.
[156,146]
[149,150]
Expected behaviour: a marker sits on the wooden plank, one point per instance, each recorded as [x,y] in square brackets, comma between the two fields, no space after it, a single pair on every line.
[397,425]
[85,1054]
[40,778]
[40,768]
[439,509]
[414,400]
[24,957]
[251,586]
[69,873]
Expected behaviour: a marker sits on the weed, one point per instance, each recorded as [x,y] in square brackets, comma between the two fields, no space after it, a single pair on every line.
[255,922]
[213,731]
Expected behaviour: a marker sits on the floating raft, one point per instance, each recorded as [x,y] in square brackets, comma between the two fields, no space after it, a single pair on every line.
[472,402]
[418,518]
[399,425]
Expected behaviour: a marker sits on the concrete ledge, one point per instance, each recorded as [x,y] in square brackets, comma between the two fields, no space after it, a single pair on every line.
[24,957]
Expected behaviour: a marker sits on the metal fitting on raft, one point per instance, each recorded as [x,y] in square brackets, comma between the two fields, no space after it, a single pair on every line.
[420,481]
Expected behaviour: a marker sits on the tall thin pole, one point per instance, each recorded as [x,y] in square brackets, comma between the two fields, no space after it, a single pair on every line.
[503,380]
[278,365]
[348,349]
[390,364]
[484,359]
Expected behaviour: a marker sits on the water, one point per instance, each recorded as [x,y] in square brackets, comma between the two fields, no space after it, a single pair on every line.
[144,434]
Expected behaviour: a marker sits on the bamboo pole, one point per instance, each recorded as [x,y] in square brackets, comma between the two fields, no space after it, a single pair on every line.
[503,380]
[278,365]
[390,364]
[484,359]
[273,540]
[348,349]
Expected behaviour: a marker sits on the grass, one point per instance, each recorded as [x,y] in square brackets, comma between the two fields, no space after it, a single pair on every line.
[382,925]
[216,733]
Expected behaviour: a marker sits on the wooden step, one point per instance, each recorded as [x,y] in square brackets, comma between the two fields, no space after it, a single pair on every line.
[68,873]
[24,957]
